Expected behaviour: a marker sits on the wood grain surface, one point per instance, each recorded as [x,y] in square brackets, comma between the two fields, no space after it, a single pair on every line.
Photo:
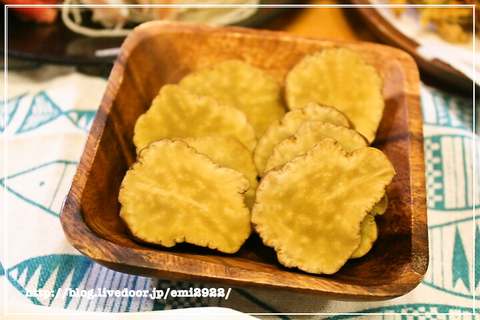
[158,53]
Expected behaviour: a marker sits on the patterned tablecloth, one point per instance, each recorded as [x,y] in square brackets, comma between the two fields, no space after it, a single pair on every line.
[44,123]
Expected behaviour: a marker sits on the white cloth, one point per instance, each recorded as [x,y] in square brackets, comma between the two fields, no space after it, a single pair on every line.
[49,110]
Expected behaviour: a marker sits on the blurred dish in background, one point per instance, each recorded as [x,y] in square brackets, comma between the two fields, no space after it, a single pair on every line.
[406,28]
[54,42]
[453,23]
[116,17]
[44,14]
[118,21]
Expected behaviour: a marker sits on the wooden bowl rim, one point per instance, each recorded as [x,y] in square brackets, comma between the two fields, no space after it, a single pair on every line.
[100,249]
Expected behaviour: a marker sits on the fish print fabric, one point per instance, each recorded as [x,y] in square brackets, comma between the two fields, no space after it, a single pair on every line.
[44,123]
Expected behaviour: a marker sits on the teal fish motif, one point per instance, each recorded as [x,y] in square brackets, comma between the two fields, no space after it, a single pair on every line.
[81,119]
[43,186]
[97,278]
[77,283]
[44,110]
[2,271]
[8,109]
[454,267]
[35,273]
[460,265]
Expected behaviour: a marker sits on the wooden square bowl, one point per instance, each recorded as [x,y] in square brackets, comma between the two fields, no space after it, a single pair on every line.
[157,53]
